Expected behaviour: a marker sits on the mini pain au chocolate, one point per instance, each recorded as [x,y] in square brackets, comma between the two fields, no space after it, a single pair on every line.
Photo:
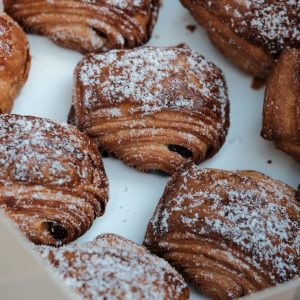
[252,33]
[14,61]
[281,121]
[87,25]
[229,233]
[153,108]
[52,181]
[112,267]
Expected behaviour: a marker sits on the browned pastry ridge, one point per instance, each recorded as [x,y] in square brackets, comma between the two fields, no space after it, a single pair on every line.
[112,267]
[229,233]
[281,121]
[14,61]
[52,181]
[153,108]
[252,33]
[87,25]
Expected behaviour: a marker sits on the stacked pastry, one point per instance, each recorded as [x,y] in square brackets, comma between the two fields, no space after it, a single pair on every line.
[14,61]
[229,233]
[250,33]
[154,108]
[111,267]
[87,26]
[52,181]
[281,122]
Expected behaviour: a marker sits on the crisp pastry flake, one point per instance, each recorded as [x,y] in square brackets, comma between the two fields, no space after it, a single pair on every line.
[229,233]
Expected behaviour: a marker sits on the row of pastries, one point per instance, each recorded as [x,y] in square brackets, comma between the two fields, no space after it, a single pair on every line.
[157,109]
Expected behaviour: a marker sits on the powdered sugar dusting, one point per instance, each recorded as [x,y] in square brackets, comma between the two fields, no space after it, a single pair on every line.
[5,38]
[154,79]
[258,215]
[115,268]
[275,25]
[89,26]
[151,99]
[30,148]
[50,175]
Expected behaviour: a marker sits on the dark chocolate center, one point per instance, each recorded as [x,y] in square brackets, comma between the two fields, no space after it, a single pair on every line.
[184,152]
[56,230]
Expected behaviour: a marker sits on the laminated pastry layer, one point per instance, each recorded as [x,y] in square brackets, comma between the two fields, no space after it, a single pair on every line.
[88,26]
[154,108]
[229,233]
[52,181]
[251,33]
[14,61]
[111,267]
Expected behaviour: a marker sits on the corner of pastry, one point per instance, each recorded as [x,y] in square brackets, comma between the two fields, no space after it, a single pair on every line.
[229,233]
[52,181]
[112,267]
[153,108]
[252,34]
[88,26]
[281,114]
[14,61]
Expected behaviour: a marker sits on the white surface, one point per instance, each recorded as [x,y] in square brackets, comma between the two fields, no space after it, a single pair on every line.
[134,195]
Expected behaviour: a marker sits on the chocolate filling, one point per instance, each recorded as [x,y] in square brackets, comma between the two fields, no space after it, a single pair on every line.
[184,152]
[56,230]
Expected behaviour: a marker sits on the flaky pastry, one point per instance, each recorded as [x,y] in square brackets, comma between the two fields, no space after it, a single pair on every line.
[281,115]
[112,267]
[14,61]
[252,33]
[52,181]
[87,25]
[229,233]
[153,108]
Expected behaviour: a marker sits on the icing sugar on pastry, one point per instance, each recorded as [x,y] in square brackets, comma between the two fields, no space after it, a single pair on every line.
[115,268]
[273,24]
[52,181]
[152,78]
[165,104]
[242,225]
[31,148]
[89,26]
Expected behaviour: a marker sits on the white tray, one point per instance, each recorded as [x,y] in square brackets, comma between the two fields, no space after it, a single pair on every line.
[134,195]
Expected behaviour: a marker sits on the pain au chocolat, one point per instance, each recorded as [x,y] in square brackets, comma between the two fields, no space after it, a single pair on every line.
[229,233]
[111,267]
[52,181]
[251,33]
[281,121]
[153,108]
[87,25]
[14,61]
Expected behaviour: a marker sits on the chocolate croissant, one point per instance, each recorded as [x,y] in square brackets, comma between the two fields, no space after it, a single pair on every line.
[52,181]
[14,61]
[250,33]
[153,108]
[229,233]
[87,26]
[281,121]
[111,267]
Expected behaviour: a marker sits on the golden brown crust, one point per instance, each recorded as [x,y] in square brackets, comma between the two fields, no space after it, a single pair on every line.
[88,25]
[154,108]
[281,121]
[14,61]
[251,33]
[229,233]
[112,267]
[52,181]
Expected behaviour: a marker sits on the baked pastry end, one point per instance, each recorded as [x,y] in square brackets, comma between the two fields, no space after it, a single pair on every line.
[281,114]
